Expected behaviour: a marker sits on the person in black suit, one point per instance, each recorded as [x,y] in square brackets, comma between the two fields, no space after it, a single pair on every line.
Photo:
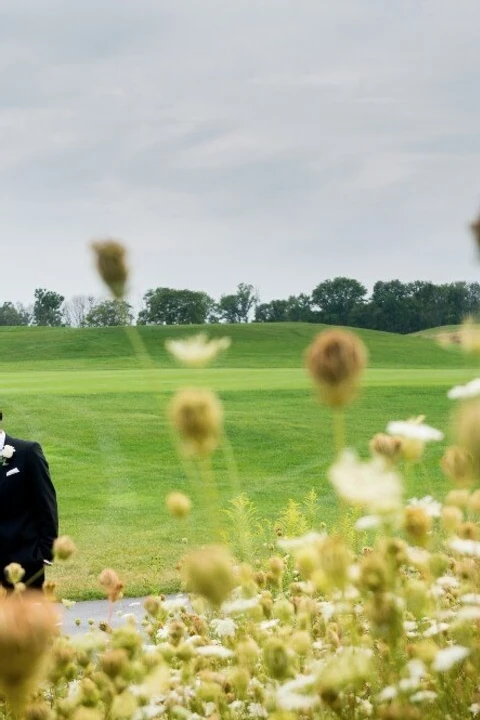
[28,509]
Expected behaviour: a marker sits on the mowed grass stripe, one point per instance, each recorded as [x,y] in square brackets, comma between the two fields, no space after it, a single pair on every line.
[73,382]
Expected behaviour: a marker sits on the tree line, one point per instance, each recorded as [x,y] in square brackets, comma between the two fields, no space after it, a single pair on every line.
[392,306]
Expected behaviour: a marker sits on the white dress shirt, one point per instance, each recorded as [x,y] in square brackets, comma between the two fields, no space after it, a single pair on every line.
[2,439]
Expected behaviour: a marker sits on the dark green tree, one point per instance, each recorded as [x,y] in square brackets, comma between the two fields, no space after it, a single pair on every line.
[167,306]
[11,314]
[109,313]
[47,309]
[236,308]
[337,299]
[274,311]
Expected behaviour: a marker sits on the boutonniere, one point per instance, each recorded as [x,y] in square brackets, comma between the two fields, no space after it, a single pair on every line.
[6,454]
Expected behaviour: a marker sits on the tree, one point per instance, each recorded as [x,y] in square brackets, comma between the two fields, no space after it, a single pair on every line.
[274,311]
[76,310]
[337,299]
[47,309]
[167,306]
[109,313]
[236,308]
[11,314]
[300,309]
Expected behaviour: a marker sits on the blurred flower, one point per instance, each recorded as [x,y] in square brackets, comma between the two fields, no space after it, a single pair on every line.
[461,392]
[368,485]
[197,351]
[432,507]
[111,265]
[414,430]
[465,547]
[111,584]
[336,360]
[178,504]
[63,547]
[448,657]
[197,415]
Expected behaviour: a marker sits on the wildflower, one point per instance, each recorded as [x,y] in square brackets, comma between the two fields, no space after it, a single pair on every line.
[209,572]
[289,696]
[28,624]
[414,430]
[448,657]
[197,351]
[14,573]
[457,464]
[292,544]
[368,485]
[467,428]
[111,265]
[387,446]
[423,696]
[63,547]
[111,584]
[462,392]
[178,504]
[336,360]
[432,507]
[367,522]
[215,651]
[197,415]
[224,627]
[236,607]
[465,547]
[417,523]
[276,658]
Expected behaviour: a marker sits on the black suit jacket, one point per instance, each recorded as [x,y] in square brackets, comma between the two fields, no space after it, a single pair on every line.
[28,508]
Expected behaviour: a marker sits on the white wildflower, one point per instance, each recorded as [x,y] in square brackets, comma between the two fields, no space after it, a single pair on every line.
[470,599]
[238,606]
[297,543]
[417,556]
[416,669]
[367,522]
[256,710]
[474,708]
[423,696]
[412,430]
[175,603]
[217,651]
[197,351]
[447,581]
[269,624]
[436,629]
[469,613]
[370,484]
[448,657]
[462,392]
[465,547]
[289,696]
[432,507]
[224,627]
[388,693]
[408,684]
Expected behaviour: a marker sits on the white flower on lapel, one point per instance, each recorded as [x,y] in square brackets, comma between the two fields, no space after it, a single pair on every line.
[6,453]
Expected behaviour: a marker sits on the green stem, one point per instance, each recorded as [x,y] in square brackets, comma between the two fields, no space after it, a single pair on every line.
[211,496]
[233,474]
[338,431]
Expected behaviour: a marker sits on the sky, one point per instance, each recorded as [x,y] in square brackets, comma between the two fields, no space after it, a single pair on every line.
[273,142]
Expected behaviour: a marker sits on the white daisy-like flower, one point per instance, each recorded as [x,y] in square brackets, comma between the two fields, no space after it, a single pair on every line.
[297,543]
[474,709]
[224,627]
[215,651]
[412,430]
[470,612]
[197,351]
[470,599]
[447,581]
[436,629]
[367,522]
[417,556]
[463,392]
[423,696]
[416,669]
[432,507]
[370,484]
[290,697]
[256,710]
[175,603]
[238,606]
[465,547]
[448,657]
[388,693]
[269,624]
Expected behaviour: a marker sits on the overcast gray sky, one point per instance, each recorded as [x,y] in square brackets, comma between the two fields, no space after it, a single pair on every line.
[268,141]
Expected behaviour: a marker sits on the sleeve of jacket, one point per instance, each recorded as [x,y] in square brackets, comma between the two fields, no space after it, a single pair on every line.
[44,499]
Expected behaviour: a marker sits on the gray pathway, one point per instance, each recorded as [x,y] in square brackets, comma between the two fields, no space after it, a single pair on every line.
[97,611]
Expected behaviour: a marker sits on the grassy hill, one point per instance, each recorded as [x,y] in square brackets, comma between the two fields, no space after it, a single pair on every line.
[102,420]
[254,346]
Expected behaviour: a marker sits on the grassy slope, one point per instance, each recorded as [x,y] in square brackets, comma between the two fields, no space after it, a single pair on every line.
[256,345]
[113,459]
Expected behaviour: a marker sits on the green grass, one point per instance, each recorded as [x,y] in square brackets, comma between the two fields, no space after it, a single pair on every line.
[102,422]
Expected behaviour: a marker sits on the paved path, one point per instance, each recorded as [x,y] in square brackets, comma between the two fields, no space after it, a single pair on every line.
[97,610]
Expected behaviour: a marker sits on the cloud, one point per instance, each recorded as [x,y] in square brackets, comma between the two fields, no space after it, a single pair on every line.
[270,143]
